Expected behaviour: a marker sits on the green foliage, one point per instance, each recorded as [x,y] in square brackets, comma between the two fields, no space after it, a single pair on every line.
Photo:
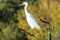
[13,24]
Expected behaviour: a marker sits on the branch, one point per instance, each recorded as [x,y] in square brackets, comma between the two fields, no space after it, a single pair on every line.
[42,20]
[20,29]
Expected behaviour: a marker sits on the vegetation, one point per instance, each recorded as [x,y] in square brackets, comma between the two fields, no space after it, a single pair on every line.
[13,24]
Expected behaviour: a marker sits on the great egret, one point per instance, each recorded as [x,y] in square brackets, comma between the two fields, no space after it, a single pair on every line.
[29,17]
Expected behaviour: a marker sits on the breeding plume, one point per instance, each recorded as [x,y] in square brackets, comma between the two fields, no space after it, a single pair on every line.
[29,17]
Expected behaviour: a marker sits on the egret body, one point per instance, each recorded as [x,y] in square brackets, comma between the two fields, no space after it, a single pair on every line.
[30,19]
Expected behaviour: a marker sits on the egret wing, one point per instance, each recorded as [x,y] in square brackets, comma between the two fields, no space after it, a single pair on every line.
[33,21]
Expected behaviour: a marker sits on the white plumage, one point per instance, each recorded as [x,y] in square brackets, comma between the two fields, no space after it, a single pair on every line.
[30,19]
[32,22]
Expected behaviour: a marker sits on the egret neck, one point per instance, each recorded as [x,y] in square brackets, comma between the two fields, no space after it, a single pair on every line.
[25,8]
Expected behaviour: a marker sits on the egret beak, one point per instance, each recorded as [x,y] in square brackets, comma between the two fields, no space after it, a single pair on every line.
[21,5]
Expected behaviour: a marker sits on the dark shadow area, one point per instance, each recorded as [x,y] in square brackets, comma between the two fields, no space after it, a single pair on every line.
[22,35]
[6,15]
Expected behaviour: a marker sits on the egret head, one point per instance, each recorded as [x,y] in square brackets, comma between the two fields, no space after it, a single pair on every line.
[25,4]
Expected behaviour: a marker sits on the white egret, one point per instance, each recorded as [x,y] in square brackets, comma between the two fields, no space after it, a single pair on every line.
[30,19]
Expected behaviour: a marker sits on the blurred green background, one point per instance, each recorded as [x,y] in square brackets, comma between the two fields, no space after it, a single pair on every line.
[13,24]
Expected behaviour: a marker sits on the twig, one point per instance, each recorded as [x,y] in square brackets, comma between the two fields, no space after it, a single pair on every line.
[27,33]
